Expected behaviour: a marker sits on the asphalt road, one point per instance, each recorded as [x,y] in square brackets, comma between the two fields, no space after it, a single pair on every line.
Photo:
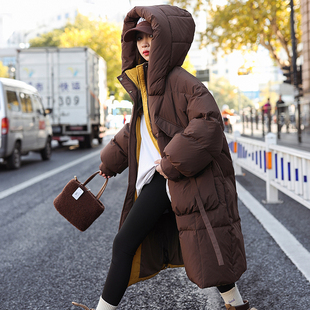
[45,262]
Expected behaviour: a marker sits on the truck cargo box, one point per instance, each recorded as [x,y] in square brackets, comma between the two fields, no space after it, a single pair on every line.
[72,83]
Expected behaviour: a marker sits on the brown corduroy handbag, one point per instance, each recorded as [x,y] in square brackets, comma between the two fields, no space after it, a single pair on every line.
[78,204]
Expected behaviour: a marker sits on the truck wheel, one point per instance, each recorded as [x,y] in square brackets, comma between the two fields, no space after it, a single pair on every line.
[14,160]
[47,151]
[82,144]
[87,143]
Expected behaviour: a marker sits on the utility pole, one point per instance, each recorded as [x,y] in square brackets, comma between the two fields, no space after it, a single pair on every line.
[296,92]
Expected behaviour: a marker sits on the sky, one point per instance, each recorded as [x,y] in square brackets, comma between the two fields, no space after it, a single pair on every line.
[19,14]
[26,14]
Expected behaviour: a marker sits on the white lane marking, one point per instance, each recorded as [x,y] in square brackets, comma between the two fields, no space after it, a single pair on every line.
[45,175]
[287,242]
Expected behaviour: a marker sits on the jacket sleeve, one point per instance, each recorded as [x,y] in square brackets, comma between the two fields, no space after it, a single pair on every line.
[190,151]
[114,156]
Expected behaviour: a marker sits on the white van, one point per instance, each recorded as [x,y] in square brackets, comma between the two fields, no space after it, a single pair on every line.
[25,125]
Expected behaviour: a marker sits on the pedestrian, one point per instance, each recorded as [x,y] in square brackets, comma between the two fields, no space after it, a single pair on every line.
[181,203]
[267,107]
[226,114]
[124,117]
[280,105]
[266,117]
[280,110]
[108,120]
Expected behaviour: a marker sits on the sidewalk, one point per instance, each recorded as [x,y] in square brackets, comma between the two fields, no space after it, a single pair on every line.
[287,139]
[111,131]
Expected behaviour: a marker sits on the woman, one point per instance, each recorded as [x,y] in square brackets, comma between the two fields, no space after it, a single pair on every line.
[181,204]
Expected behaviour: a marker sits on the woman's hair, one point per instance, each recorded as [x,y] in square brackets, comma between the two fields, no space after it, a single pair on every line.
[139,58]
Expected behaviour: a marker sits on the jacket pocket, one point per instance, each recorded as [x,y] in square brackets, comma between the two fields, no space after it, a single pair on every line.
[183,193]
[167,127]
[182,198]
[226,191]
[207,187]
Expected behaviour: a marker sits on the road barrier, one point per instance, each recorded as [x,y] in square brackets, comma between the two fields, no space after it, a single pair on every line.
[282,168]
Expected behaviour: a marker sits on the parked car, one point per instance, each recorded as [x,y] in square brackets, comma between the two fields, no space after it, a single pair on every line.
[25,126]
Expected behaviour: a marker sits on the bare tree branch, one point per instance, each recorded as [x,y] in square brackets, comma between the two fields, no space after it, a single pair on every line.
[271,50]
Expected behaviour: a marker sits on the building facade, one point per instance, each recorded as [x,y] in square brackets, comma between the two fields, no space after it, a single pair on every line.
[305,99]
[305,24]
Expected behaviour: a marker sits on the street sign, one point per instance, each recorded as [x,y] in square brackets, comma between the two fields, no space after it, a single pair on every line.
[203,75]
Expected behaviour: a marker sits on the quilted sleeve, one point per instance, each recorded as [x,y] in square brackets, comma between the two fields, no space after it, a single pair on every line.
[190,151]
[114,156]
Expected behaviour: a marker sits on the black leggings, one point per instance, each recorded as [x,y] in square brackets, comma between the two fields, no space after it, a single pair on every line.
[146,211]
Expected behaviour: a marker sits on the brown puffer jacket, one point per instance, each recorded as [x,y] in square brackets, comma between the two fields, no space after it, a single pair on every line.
[204,232]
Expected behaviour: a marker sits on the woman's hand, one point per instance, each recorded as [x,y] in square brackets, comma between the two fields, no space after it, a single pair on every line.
[104,175]
[158,168]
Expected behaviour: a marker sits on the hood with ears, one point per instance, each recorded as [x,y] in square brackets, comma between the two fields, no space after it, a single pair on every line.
[173,33]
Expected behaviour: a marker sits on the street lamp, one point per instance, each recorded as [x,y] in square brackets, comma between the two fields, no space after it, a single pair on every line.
[11,71]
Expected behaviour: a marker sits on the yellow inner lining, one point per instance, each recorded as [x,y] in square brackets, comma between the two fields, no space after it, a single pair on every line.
[137,77]
[141,80]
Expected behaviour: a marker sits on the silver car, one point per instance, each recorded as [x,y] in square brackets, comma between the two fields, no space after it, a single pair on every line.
[25,124]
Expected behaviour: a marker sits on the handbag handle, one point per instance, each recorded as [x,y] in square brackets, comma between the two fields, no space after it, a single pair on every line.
[103,186]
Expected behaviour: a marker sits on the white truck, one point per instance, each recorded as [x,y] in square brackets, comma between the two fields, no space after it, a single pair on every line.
[73,86]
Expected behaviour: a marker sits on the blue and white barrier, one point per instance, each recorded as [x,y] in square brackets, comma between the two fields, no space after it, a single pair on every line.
[283,168]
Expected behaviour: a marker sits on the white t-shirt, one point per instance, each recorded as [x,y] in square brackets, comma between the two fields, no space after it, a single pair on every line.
[147,158]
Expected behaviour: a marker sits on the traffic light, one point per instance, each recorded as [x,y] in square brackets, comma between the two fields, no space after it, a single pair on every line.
[286,70]
[299,76]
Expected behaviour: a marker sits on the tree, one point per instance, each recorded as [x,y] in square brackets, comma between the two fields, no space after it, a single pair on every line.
[226,94]
[3,70]
[50,39]
[243,25]
[101,36]
[188,66]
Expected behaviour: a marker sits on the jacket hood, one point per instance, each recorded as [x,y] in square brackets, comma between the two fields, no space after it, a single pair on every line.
[173,33]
